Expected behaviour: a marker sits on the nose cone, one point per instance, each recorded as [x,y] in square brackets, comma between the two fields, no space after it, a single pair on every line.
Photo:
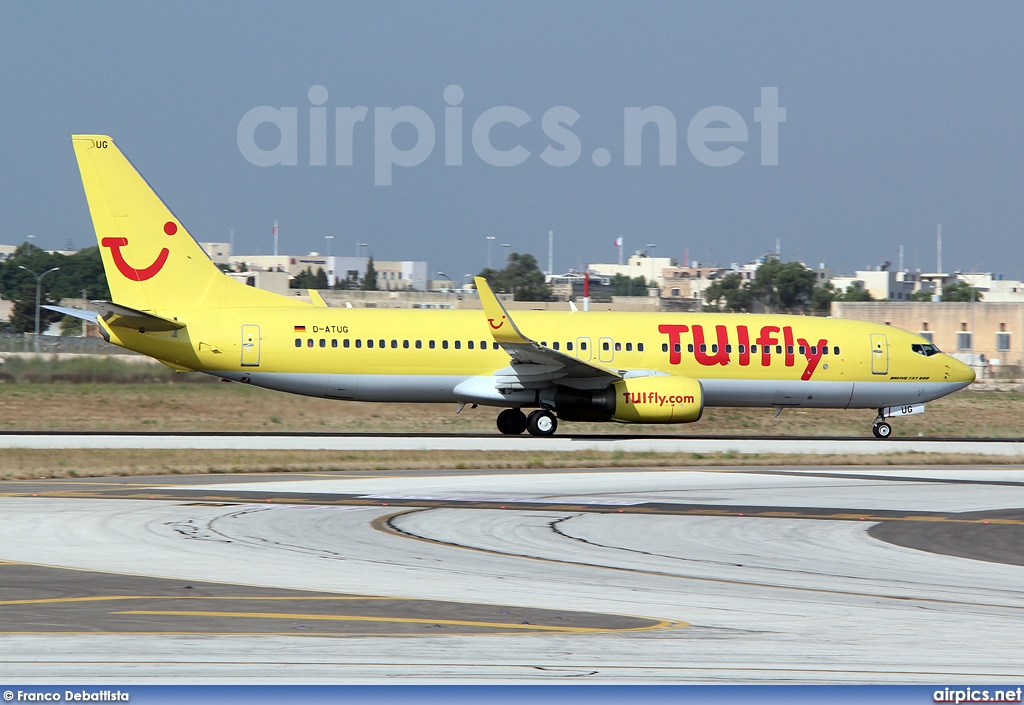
[959,371]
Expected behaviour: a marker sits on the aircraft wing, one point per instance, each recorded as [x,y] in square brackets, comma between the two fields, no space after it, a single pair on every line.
[531,361]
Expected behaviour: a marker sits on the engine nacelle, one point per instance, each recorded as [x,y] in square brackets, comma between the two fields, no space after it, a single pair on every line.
[658,399]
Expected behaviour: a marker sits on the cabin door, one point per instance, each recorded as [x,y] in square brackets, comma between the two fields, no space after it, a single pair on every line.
[250,346]
[879,354]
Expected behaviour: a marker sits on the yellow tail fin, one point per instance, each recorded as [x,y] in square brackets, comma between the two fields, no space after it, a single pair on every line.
[151,261]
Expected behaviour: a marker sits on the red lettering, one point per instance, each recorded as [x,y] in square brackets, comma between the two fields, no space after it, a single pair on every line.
[787,334]
[765,340]
[674,343]
[744,337]
[812,359]
[719,358]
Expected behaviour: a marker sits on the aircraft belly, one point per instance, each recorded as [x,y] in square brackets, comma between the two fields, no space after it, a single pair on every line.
[386,388]
[770,392]
[872,395]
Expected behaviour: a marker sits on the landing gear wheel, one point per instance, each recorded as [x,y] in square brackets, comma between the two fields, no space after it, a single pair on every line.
[882,430]
[511,422]
[541,423]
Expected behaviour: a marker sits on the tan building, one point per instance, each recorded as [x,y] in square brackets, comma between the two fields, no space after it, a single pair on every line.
[992,330]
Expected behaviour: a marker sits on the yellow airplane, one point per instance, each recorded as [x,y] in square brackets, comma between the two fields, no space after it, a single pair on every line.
[169,301]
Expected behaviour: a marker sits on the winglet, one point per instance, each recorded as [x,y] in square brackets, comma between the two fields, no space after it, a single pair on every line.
[501,325]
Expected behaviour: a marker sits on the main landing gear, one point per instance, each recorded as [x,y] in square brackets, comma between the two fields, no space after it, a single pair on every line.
[881,428]
[541,422]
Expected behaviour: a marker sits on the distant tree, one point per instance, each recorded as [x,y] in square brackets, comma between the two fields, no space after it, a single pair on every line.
[786,286]
[856,292]
[80,271]
[628,286]
[369,282]
[921,296]
[320,279]
[522,276]
[734,290]
[69,325]
[960,291]
[822,297]
[23,316]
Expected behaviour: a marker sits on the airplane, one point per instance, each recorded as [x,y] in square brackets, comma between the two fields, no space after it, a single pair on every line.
[170,302]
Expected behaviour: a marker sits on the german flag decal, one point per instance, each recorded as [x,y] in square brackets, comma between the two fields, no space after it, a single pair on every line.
[300,329]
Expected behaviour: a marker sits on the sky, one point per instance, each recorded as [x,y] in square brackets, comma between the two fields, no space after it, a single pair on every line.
[898,116]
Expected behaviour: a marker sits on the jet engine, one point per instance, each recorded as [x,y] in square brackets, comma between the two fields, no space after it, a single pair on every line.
[653,399]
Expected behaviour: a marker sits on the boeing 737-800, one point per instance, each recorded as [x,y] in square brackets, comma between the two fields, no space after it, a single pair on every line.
[170,301]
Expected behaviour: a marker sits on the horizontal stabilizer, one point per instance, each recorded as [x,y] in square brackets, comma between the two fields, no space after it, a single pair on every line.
[124,317]
[76,312]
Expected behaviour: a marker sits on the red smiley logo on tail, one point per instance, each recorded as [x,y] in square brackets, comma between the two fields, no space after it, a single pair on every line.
[139,275]
[496,327]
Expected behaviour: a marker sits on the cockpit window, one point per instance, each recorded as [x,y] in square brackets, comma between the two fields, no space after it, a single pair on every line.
[926,349]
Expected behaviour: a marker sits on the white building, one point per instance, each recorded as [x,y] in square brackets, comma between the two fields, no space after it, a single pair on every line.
[638,265]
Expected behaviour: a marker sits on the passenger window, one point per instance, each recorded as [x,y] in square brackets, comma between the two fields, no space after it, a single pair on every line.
[664,347]
[789,349]
[604,345]
[639,347]
[778,349]
[814,350]
[824,350]
[583,345]
[618,347]
[298,342]
[394,343]
[359,343]
[728,348]
[742,349]
[431,345]
[405,344]
[344,343]
[555,345]
[334,342]
[496,346]
[470,345]
[323,343]
[383,343]
[568,346]
[309,343]
[369,342]
[767,349]
[419,344]
[629,347]
[444,344]
[678,348]
[753,349]
[689,347]
[714,347]
[835,349]
[458,344]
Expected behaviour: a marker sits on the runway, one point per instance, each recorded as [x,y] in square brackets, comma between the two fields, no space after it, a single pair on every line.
[810,445]
[753,574]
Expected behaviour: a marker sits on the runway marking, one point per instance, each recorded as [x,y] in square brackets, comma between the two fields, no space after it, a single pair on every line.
[384,525]
[660,624]
[114,598]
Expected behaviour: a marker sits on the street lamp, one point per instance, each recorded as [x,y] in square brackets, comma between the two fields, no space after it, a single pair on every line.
[39,285]
[443,276]
[490,239]
[359,246]
[328,238]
